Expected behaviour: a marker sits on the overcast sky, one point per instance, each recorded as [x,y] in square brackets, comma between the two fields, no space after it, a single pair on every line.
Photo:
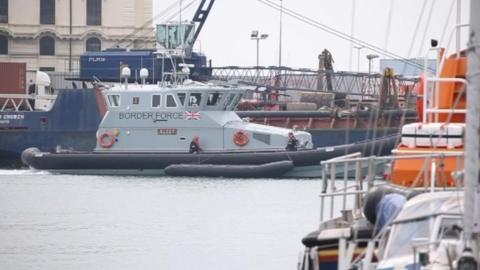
[226,35]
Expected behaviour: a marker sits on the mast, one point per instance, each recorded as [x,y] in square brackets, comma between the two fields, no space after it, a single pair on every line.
[472,193]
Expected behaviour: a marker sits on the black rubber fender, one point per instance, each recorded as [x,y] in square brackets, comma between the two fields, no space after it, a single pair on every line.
[371,201]
[272,169]
[29,154]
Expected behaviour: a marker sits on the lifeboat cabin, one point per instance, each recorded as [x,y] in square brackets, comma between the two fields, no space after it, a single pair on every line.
[439,137]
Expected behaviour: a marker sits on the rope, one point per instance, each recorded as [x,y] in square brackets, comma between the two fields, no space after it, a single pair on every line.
[427,25]
[389,23]
[352,33]
[339,34]
[450,11]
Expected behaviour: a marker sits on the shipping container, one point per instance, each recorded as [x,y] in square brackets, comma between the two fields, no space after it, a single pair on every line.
[13,78]
[106,65]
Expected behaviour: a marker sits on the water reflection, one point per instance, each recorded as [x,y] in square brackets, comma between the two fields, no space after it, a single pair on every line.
[101,222]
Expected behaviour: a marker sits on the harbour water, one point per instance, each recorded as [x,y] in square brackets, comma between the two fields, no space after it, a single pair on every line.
[92,222]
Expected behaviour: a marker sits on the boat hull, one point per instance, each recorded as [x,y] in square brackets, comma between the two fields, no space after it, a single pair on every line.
[71,123]
[306,163]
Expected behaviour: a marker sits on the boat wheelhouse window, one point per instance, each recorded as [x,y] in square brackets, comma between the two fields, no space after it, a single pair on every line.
[181,97]
[403,233]
[194,99]
[136,100]
[156,101]
[450,228]
[214,99]
[114,100]
[171,103]
[228,100]
[236,100]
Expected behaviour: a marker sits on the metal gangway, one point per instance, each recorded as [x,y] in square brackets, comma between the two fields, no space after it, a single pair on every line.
[285,78]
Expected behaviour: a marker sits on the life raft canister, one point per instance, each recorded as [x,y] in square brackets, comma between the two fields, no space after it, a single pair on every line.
[106,139]
[241,138]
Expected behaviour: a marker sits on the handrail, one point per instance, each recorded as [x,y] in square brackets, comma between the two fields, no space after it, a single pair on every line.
[361,183]
[412,156]
[17,100]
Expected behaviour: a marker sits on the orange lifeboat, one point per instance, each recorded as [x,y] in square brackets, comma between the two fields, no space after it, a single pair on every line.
[439,139]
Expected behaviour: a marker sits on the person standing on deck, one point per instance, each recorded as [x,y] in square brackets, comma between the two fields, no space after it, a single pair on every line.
[292,142]
[31,92]
[195,145]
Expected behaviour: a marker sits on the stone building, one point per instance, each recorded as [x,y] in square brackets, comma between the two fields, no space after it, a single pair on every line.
[50,35]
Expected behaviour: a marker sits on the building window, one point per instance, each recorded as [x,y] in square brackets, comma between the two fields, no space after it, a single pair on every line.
[47,46]
[3,11]
[136,100]
[94,12]
[94,45]
[47,69]
[3,45]
[47,11]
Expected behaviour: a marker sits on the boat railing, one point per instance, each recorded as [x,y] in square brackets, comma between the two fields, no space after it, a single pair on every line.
[17,103]
[351,176]
[433,107]
[341,188]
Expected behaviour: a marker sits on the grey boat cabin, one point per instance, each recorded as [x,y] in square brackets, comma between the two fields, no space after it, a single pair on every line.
[166,117]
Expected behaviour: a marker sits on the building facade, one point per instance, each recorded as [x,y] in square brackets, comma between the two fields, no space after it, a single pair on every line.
[50,35]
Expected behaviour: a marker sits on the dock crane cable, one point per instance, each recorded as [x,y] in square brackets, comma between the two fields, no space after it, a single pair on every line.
[421,15]
[415,33]
[148,23]
[450,11]
[389,24]
[352,33]
[427,25]
[180,12]
[343,35]
[339,34]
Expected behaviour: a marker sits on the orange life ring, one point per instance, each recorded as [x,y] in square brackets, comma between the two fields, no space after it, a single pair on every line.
[108,143]
[241,138]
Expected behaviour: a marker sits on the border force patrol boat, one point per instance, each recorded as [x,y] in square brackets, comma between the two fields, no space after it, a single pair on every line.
[149,130]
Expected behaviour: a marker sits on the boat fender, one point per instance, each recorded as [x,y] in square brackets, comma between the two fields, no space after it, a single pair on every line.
[29,154]
[241,138]
[106,139]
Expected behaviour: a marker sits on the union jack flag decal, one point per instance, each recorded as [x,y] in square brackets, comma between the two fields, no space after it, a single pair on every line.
[192,115]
